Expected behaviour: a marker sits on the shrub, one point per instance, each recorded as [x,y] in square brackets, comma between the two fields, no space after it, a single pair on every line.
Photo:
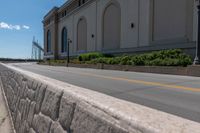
[174,57]
[125,60]
[114,61]
[89,56]
[98,60]
[138,60]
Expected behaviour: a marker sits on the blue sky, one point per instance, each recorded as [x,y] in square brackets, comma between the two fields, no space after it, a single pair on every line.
[20,20]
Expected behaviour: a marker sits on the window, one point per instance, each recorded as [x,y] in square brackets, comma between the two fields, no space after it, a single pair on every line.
[111,27]
[82,35]
[79,3]
[65,12]
[64,40]
[48,41]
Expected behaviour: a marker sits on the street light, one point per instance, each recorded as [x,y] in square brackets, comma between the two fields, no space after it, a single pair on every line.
[68,44]
[197,58]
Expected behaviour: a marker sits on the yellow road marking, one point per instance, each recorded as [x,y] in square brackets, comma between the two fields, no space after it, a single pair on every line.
[140,82]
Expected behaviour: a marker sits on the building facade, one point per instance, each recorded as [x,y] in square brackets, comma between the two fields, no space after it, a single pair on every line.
[119,26]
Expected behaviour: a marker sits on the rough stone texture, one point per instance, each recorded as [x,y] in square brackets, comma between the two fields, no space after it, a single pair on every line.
[30,94]
[89,120]
[35,85]
[51,103]
[66,113]
[41,123]
[25,92]
[25,110]
[31,130]
[21,90]
[39,96]
[24,128]
[29,83]
[56,128]
[17,122]
[31,113]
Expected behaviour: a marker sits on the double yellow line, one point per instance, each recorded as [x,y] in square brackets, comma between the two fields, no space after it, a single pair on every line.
[139,82]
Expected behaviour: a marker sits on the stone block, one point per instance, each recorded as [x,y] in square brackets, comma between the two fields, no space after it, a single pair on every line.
[41,123]
[51,103]
[10,95]
[21,105]
[13,83]
[35,85]
[18,122]
[31,94]
[39,96]
[24,127]
[66,113]
[21,90]
[25,92]
[57,128]
[19,79]
[13,105]
[16,109]
[29,83]
[25,110]
[90,121]
[31,130]
[31,113]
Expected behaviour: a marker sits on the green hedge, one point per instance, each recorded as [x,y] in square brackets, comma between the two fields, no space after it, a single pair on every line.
[89,56]
[174,57]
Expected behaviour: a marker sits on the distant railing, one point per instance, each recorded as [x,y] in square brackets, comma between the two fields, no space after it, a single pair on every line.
[18,60]
[37,51]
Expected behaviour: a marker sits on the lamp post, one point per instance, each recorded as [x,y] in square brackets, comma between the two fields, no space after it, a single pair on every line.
[197,58]
[68,44]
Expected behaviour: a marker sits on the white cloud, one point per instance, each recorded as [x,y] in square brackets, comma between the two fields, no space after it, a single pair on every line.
[16,27]
[26,27]
[4,25]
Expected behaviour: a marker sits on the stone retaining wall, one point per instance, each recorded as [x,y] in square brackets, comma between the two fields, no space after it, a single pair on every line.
[42,105]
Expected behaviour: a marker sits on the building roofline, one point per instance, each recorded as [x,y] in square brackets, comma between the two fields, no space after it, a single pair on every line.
[68,2]
[50,12]
[65,5]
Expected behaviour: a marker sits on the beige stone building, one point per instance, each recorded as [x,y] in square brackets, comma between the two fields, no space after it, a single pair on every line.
[119,26]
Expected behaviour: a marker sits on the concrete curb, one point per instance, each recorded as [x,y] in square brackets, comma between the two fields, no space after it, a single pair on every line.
[112,113]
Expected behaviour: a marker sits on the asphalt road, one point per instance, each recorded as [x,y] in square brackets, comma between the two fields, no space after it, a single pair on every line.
[178,95]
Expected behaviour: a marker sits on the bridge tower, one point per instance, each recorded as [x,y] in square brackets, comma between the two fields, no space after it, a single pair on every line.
[37,50]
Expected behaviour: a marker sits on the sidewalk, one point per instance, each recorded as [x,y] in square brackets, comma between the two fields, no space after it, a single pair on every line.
[5,123]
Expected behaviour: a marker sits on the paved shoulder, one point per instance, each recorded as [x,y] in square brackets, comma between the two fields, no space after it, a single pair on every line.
[5,123]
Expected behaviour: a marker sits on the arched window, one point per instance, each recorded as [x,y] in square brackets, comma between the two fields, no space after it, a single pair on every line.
[82,35]
[64,40]
[111,26]
[48,41]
